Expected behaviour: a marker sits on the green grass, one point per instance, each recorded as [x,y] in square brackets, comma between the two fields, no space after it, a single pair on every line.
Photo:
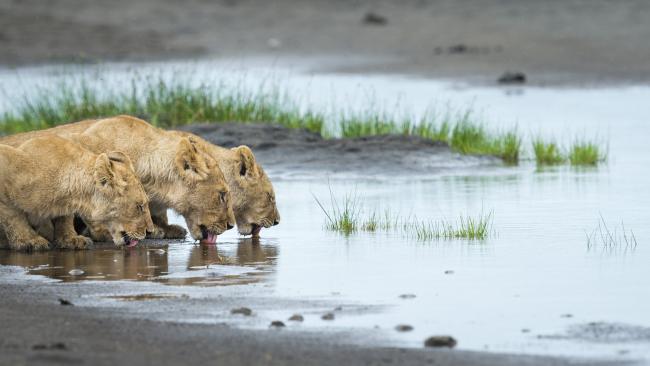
[547,153]
[585,152]
[165,104]
[347,217]
[173,103]
[472,138]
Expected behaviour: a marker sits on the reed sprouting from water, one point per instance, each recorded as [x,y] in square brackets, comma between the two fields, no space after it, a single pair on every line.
[348,216]
[611,237]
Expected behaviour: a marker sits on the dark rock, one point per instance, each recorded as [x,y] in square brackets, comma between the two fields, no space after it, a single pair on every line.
[512,78]
[407,296]
[328,316]
[566,316]
[403,328]
[277,324]
[65,302]
[374,19]
[525,330]
[449,271]
[296,318]
[243,311]
[338,308]
[457,49]
[440,341]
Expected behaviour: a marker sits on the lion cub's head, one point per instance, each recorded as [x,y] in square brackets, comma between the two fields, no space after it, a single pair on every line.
[254,198]
[203,198]
[120,201]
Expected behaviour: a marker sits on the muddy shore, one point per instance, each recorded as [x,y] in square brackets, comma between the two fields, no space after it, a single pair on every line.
[294,151]
[572,42]
[38,330]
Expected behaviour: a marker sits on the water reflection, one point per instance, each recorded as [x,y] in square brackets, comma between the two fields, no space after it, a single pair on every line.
[245,261]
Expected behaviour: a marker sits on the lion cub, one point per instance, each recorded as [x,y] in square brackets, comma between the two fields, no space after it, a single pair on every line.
[51,178]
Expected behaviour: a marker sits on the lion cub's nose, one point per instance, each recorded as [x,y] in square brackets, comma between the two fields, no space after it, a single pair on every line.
[230,226]
[276,222]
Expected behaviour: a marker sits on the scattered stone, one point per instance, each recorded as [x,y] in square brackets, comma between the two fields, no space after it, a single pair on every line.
[296,318]
[243,311]
[449,271]
[407,296]
[403,328]
[566,316]
[59,346]
[440,341]
[374,19]
[512,78]
[328,316]
[338,308]
[76,272]
[277,324]
[65,302]
[525,330]
[457,49]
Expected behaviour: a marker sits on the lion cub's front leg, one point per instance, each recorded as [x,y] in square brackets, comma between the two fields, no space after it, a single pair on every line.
[163,230]
[20,235]
[65,235]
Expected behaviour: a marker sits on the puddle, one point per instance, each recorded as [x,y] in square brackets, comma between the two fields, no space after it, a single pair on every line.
[507,293]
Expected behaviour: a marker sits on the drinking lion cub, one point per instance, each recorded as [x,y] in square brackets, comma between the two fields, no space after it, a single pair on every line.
[51,178]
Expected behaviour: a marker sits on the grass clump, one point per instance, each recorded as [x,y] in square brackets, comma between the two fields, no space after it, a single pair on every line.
[610,240]
[585,152]
[547,153]
[344,218]
[467,227]
[472,138]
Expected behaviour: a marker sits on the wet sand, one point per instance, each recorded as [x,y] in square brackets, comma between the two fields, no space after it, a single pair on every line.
[37,330]
[553,42]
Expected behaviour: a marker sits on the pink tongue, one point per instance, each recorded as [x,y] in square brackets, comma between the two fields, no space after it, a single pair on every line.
[133,243]
[212,238]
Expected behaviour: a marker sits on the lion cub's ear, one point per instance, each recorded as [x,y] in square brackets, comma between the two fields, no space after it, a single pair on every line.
[247,164]
[104,174]
[120,157]
[189,162]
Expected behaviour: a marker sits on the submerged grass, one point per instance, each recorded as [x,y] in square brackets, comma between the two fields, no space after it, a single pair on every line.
[348,217]
[611,238]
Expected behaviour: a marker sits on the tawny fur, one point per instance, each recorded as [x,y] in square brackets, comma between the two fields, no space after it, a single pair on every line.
[49,178]
[174,173]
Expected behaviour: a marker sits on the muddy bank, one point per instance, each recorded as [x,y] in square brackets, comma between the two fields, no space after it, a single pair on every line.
[300,151]
[552,42]
[38,330]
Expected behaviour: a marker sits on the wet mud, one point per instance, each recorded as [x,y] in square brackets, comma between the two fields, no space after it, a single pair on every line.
[299,150]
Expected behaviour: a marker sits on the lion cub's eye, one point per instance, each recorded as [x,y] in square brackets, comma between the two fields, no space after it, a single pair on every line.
[140,207]
[222,196]
[271,198]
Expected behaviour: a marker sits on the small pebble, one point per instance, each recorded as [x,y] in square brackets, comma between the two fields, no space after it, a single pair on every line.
[76,272]
[64,302]
[407,296]
[277,324]
[449,271]
[374,19]
[328,316]
[440,341]
[296,318]
[525,330]
[403,328]
[243,311]
[566,316]
[338,308]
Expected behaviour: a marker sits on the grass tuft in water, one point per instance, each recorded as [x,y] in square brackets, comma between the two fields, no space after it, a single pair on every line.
[585,152]
[347,218]
[547,153]
[472,138]
[611,238]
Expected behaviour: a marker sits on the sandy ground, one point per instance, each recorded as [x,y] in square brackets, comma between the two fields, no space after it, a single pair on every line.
[553,42]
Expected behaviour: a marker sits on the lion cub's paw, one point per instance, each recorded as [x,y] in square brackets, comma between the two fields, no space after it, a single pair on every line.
[175,232]
[75,242]
[32,244]
[157,233]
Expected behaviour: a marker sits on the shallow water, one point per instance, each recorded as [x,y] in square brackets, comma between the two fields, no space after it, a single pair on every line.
[525,289]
